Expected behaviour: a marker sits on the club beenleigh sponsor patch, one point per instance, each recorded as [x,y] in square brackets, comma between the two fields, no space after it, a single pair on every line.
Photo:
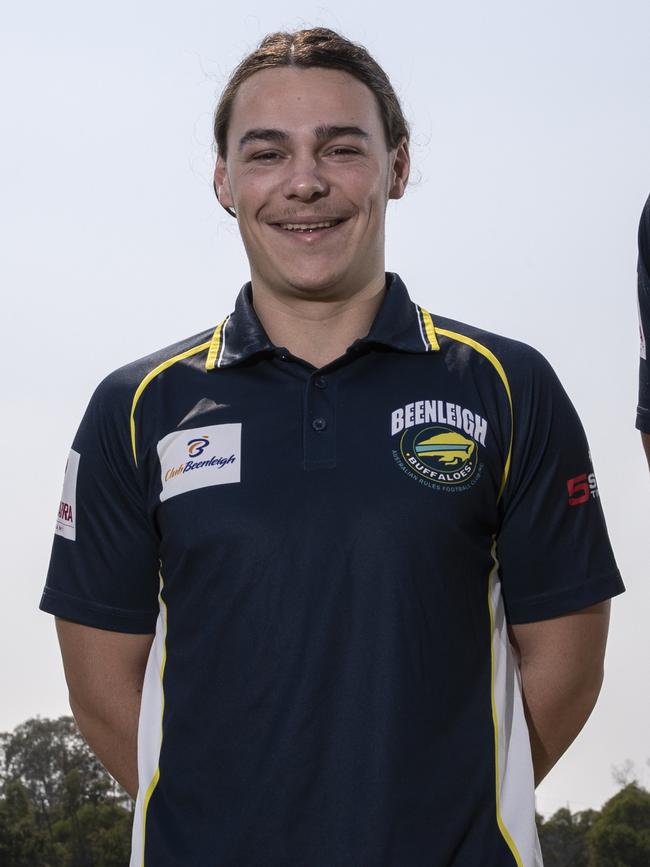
[199,458]
[65,520]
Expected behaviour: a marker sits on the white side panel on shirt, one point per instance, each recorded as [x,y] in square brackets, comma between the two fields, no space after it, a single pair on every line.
[149,734]
[200,457]
[516,781]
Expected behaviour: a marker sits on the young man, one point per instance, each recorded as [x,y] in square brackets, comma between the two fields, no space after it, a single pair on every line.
[643,286]
[368,539]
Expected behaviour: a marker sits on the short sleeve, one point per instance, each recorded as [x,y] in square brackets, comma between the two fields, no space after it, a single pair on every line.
[553,548]
[104,563]
[643,294]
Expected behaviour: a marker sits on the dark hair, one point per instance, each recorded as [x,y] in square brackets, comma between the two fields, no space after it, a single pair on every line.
[316,47]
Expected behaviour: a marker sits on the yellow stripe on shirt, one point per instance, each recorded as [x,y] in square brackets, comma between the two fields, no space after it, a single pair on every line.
[429,329]
[151,376]
[215,345]
[494,361]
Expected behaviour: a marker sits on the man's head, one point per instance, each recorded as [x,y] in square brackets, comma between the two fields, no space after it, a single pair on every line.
[308,48]
[309,129]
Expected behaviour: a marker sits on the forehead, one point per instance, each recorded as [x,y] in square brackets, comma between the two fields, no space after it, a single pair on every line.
[296,99]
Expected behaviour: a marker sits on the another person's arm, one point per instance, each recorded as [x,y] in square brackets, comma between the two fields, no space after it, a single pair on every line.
[643,295]
[104,671]
[561,664]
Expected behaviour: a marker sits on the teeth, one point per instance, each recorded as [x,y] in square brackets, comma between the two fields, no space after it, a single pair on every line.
[302,227]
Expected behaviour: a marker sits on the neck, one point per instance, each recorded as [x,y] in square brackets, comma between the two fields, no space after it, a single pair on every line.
[314,329]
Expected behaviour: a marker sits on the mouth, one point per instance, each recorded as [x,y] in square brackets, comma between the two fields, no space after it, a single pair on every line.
[311,230]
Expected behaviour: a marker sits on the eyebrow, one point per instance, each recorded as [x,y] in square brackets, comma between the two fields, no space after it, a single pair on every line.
[322,133]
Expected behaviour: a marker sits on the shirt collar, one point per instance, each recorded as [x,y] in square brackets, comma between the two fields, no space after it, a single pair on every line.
[399,324]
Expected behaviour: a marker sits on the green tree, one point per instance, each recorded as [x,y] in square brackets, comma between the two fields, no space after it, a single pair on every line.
[620,836]
[563,838]
[41,753]
[97,835]
[20,843]
[58,806]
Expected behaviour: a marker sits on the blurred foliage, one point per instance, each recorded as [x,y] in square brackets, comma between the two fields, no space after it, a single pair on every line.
[58,806]
[563,838]
[620,836]
[616,836]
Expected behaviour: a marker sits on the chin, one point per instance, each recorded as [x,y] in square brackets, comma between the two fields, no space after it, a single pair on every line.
[310,282]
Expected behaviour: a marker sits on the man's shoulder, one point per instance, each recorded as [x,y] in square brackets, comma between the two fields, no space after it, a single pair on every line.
[527,375]
[511,354]
[123,383]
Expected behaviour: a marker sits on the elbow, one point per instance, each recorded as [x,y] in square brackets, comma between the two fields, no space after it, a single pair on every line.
[590,687]
[81,714]
[87,715]
[587,679]
[562,691]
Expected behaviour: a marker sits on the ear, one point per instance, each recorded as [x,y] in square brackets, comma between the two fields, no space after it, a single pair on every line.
[222,184]
[399,171]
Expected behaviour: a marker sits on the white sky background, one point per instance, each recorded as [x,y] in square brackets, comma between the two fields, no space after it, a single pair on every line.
[531,151]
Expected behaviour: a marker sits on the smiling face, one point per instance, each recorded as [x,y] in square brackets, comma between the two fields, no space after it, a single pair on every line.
[306,147]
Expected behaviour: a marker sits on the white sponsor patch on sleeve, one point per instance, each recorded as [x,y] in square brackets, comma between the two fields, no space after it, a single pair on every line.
[199,458]
[66,519]
[641,334]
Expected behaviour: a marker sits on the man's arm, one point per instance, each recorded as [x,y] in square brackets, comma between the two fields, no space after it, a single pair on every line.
[104,671]
[645,437]
[561,662]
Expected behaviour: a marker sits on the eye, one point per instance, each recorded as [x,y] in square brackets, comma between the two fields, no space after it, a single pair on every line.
[266,157]
[343,150]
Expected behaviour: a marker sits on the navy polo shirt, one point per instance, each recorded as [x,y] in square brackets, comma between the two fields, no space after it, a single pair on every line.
[329,559]
[643,279]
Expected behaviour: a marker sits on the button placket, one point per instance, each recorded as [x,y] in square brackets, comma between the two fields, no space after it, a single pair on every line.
[319,426]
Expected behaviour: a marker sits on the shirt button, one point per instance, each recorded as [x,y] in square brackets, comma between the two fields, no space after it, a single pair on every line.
[320,382]
[319,424]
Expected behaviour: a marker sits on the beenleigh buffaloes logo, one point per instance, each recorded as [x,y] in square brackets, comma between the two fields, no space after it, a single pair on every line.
[444,454]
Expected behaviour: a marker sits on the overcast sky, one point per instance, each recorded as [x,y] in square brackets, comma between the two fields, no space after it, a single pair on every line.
[531,151]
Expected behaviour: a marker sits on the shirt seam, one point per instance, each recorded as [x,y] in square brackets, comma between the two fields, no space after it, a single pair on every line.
[127,614]
[607,579]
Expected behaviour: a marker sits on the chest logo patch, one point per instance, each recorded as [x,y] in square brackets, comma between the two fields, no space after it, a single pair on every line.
[440,454]
[439,444]
[199,458]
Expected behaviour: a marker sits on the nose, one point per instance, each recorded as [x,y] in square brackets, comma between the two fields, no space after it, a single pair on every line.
[305,179]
